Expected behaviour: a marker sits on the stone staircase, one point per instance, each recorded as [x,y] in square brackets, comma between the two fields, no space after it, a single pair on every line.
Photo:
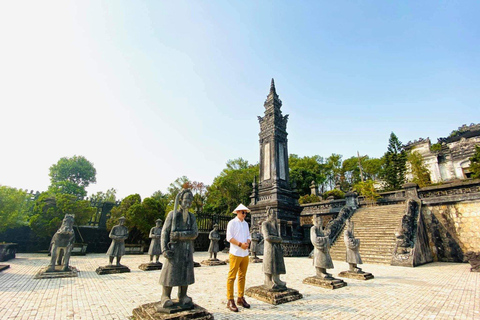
[375,227]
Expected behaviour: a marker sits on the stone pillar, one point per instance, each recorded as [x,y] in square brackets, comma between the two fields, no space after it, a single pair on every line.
[351,199]
[313,189]
[411,190]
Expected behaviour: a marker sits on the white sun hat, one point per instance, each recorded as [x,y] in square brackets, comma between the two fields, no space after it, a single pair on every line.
[240,207]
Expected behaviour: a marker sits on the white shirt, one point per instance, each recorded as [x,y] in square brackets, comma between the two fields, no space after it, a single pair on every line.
[239,231]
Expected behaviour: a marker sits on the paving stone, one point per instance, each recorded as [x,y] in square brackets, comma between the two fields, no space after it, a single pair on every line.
[431,291]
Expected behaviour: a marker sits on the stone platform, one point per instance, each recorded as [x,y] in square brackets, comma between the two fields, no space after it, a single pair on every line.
[273,297]
[324,283]
[213,262]
[439,290]
[149,312]
[150,266]
[4,266]
[112,269]
[356,275]
[58,273]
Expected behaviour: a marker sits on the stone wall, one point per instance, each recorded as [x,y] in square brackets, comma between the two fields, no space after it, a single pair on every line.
[454,229]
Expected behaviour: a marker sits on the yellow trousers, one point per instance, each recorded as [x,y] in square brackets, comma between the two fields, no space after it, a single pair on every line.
[237,265]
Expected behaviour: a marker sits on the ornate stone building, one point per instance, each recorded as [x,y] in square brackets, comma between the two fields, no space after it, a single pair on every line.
[274,188]
[450,160]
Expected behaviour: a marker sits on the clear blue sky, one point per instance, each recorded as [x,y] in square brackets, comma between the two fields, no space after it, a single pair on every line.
[152,90]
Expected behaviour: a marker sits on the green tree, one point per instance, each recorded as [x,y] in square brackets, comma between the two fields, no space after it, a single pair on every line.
[372,168]
[418,170]
[139,216]
[350,172]
[475,163]
[304,170]
[50,208]
[163,200]
[72,176]
[367,190]
[333,168]
[109,196]
[395,164]
[14,208]
[231,187]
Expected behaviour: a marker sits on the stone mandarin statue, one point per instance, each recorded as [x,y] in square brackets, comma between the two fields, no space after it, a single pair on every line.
[155,248]
[256,239]
[273,263]
[118,234]
[62,243]
[321,243]
[214,237]
[353,246]
[179,232]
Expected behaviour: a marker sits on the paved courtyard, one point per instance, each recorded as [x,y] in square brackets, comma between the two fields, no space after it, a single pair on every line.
[433,291]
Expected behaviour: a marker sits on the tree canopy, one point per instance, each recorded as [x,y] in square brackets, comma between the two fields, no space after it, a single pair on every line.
[231,187]
[14,208]
[139,215]
[72,176]
[418,169]
[50,208]
[395,164]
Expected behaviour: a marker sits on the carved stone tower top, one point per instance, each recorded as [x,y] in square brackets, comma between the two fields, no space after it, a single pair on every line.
[273,143]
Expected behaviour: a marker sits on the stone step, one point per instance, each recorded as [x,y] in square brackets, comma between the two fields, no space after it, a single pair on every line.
[375,228]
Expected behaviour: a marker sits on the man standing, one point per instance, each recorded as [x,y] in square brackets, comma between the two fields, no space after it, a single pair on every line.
[238,235]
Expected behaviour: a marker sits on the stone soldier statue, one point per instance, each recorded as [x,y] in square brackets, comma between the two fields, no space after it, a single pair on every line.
[155,248]
[321,243]
[62,243]
[214,237]
[118,234]
[353,246]
[273,264]
[256,239]
[179,232]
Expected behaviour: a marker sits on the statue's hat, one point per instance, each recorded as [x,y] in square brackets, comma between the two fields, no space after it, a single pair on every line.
[158,220]
[241,207]
[122,218]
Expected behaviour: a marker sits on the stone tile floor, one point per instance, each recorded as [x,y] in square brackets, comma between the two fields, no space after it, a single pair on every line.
[432,291]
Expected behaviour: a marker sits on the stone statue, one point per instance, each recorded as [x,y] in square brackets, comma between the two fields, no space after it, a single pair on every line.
[179,232]
[404,232]
[214,237]
[118,234]
[273,264]
[353,246]
[155,248]
[321,243]
[62,243]
[256,239]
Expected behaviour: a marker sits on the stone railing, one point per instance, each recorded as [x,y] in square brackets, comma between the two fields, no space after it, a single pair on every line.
[323,207]
[451,192]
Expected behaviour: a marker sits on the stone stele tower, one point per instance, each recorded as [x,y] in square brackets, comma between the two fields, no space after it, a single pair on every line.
[274,188]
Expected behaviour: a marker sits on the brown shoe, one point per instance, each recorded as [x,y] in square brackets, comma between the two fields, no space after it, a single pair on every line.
[241,302]
[231,305]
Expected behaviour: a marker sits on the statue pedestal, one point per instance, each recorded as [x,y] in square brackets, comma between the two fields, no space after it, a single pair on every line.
[213,262]
[325,283]
[149,311]
[150,266]
[356,275]
[4,266]
[256,260]
[112,269]
[58,273]
[272,296]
